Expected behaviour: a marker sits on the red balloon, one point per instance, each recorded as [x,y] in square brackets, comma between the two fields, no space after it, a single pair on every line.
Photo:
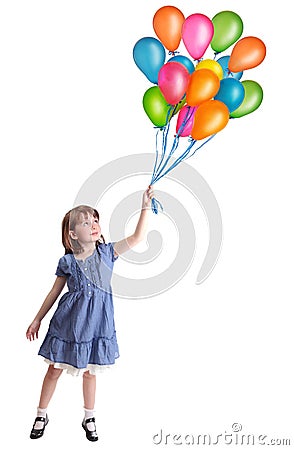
[173,80]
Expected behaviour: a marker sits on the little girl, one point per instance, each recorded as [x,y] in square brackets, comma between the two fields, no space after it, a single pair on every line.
[81,337]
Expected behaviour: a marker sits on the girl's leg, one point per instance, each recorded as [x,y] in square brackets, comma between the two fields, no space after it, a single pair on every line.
[89,390]
[49,385]
[48,388]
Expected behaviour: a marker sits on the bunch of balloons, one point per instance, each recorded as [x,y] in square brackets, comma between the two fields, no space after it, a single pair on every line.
[203,93]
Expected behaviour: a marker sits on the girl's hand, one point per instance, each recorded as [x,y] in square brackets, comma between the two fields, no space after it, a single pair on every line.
[147,196]
[32,331]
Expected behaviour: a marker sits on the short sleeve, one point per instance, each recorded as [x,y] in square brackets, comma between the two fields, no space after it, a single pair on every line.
[114,258]
[62,268]
[108,251]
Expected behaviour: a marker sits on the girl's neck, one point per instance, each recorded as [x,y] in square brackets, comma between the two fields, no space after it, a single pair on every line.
[88,251]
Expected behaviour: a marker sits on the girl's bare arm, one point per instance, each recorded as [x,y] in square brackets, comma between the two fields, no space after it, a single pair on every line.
[33,329]
[141,228]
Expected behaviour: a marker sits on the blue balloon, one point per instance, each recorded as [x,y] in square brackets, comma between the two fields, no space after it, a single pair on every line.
[149,56]
[224,61]
[185,61]
[231,93]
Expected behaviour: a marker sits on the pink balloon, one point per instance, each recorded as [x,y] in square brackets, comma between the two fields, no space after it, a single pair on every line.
[173,80]
[197,33]
[185,120]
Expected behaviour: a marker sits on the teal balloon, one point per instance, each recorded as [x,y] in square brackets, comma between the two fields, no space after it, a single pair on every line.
[185,61]
[224,61]
[252,99]
[149,56]
[231,93]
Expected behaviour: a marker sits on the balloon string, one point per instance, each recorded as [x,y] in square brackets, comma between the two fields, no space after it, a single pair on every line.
[178,160]
[164,142]
[156,153]
[155,168]
[155,204]
[173,149]
[187,117]
[198,148]
[157,165]
[159,168]
[185,155]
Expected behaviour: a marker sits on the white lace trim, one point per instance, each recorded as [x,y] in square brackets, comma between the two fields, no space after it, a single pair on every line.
[92,368]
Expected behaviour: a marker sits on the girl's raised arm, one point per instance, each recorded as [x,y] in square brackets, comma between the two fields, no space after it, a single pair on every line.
[33,329]
[141,228]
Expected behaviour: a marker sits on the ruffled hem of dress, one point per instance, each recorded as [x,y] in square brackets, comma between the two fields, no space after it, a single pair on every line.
[74,371]
[100,351]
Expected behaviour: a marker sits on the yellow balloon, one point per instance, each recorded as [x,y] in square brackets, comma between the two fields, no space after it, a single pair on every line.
[211,65]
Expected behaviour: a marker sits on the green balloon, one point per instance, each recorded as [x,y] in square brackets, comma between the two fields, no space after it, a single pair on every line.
[156,107]
[228,27]
[252,99]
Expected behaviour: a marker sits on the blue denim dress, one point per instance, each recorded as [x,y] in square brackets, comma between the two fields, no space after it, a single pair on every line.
[82,330]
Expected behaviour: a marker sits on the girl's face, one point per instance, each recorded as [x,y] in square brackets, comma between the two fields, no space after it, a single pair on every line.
[87,230]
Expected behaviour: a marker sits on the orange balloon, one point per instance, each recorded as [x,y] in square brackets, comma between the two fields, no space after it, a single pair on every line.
[211,117]
[167,24]
[247,53]
[204,84]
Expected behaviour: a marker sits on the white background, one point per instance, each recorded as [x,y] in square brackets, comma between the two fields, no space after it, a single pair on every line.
[197,358]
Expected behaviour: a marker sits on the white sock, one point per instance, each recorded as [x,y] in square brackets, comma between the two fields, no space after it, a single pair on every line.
[88,414]
[40,413]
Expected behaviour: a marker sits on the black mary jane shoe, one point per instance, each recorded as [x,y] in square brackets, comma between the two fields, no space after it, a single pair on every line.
[37,433]
[90,435]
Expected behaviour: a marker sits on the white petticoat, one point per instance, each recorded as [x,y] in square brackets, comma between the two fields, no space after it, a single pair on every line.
[92,368]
